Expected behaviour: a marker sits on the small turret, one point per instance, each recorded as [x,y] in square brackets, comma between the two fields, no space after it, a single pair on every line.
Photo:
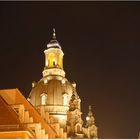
[90,124]
[53,58]
[90,119]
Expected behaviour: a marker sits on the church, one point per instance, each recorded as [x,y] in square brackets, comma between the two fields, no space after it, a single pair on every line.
[52,109]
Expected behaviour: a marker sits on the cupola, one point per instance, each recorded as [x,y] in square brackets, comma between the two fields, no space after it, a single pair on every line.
[53,58]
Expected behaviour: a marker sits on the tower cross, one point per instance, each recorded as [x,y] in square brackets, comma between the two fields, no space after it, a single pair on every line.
[54,34]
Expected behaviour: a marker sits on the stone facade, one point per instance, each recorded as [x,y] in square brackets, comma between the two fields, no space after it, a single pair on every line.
[53,108]
[56,96]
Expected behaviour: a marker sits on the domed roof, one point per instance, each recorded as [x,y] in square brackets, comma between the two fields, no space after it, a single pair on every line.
[54,43]
[54,88]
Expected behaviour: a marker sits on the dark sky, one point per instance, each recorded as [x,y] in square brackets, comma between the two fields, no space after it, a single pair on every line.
[101,43]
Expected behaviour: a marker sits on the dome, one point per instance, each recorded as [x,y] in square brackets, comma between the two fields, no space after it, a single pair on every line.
[54,87]
[53,44]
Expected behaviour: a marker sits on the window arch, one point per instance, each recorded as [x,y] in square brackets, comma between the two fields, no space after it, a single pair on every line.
[52,60]
[43,98]
[78,127]
[65,99]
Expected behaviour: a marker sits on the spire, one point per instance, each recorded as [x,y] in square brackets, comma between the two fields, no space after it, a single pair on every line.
[90,124]
[54,34]
[89,107]
[90,112]
[53,42]
[90,118]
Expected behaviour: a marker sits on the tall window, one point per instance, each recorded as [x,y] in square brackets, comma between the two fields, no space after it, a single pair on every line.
[65,99]
[43,99]
[78,128]
[54,62]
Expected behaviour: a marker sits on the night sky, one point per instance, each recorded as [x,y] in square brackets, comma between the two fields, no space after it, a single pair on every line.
[101,45]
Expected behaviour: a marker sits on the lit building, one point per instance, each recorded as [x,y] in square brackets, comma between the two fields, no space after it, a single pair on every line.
[55,109]
[19,119]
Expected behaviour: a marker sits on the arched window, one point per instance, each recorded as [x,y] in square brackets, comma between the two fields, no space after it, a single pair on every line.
[65,99]
[43,99]
[78,127]
[52,60]
[54,63]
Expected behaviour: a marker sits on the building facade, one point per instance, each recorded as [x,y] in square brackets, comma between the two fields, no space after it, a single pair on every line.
[53,108]
[19,119]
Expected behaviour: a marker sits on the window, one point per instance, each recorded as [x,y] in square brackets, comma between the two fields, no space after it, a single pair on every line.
[65,99]
[51,59]
[54,62]
[43,99]
[78,128]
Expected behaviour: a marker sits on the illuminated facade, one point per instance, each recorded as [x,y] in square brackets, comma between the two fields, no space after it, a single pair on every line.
[56,96]
[19,119]
[55,109]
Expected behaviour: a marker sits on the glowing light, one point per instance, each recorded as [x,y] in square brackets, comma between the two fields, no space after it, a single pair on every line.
[74,84]
[87,118]
[28,99]
[63,81]
[45,81]
[33,84]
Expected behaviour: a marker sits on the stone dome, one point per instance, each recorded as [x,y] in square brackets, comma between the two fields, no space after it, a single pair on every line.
[54,87]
